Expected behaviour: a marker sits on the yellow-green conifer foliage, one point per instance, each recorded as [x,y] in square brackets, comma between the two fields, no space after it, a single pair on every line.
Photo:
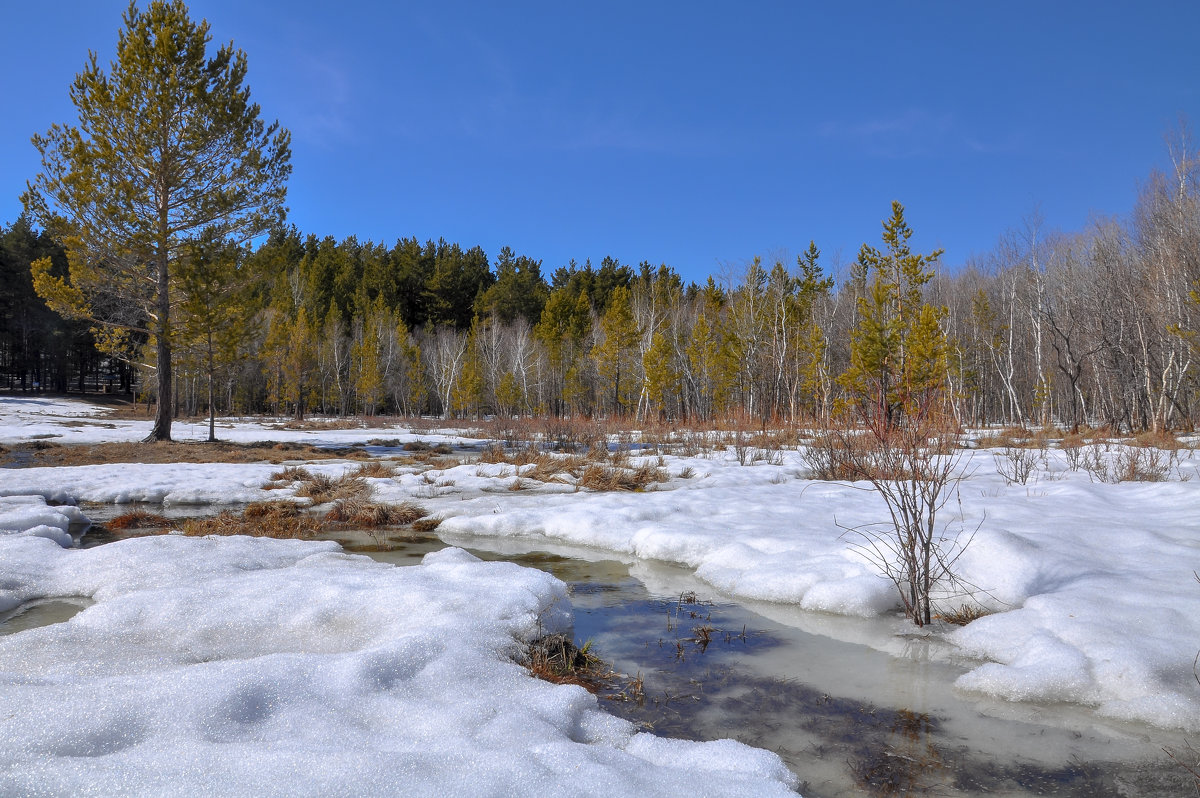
[168,149]
[408,389]
[564,326]
[467,395]
[898,348]
[510,398]
[616,354]
[367,361]
[658,366]
[218,310]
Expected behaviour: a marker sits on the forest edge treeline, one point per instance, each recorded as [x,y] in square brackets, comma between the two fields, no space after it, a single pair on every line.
[1096,326]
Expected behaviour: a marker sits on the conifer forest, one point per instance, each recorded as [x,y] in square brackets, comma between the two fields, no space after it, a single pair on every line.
[1097,326]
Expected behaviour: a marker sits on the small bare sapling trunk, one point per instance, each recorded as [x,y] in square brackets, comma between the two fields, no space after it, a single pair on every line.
[914,464]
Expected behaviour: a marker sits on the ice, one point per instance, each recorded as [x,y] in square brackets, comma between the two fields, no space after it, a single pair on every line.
[245,666]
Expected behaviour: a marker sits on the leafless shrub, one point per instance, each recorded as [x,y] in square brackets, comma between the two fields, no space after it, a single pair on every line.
[905,461]
[1072,449]
[833,455]
[742,448]
[1017,463]
[1131,464]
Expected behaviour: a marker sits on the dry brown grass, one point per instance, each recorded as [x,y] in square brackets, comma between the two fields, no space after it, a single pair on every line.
[359,513]
[426,524]
[556,659]
[43,453]
[534,464]
[379,469]
[963,615]
[1163,439]
[321,488]
[615,478]
[261,519]
[292,474]
[139,519]
[327,424]
[1012,437]
[290,520]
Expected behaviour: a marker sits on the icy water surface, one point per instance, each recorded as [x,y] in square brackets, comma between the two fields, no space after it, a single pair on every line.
[849,718]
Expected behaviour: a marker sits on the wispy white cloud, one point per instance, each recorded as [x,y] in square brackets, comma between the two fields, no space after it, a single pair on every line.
[913,133]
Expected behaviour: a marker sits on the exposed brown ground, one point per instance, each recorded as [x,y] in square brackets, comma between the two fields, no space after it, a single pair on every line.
[46,453]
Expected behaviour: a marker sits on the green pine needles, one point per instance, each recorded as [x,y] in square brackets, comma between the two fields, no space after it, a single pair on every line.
[167,159]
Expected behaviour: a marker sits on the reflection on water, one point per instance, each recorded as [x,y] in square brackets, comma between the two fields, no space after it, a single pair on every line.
[33,614]
[850,719]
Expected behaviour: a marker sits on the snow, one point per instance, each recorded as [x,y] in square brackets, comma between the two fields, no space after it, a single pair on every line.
[30,515]
[246,666]
[1092,586]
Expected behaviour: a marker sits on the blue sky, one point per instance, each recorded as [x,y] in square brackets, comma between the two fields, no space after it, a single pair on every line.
[694,134]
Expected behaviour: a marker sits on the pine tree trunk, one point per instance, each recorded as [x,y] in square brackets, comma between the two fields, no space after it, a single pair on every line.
[212,411]
[161,431]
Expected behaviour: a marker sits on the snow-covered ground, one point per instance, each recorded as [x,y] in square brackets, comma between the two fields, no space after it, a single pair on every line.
[248,666]
[1092,584]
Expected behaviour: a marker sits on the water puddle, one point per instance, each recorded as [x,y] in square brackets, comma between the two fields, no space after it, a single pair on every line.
[44,612]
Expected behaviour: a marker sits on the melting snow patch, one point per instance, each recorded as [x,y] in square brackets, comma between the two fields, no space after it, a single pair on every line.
[265,667]
[30,515]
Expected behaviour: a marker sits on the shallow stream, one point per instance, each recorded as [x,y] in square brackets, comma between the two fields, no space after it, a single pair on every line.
[855,707]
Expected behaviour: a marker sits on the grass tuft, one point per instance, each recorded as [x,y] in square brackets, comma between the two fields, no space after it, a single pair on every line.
[357,512]
[616,478]
[380,469]
[556,659]
[323,488]
[139,519]
[963,615]
[261,519]
[426,524]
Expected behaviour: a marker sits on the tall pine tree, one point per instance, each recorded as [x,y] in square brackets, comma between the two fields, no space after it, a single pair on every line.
[168,149]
